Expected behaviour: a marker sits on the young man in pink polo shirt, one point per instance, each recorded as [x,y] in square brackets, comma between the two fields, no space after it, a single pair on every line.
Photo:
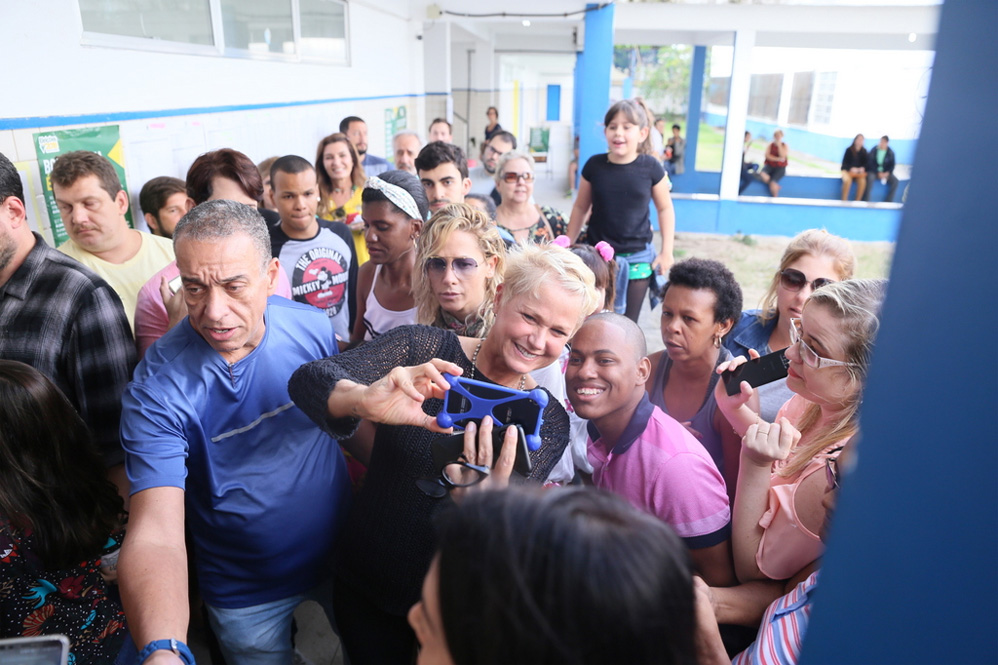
[639,452]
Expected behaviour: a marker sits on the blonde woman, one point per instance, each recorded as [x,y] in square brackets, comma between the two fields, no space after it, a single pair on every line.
[812,259]
[460,261]
[781,477]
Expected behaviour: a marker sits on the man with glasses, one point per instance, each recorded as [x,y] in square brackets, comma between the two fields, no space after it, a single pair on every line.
[482,177]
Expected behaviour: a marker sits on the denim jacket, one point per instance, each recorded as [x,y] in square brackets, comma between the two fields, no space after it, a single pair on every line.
[750,333]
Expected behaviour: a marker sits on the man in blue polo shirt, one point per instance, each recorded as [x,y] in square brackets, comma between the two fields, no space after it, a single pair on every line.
[211,435]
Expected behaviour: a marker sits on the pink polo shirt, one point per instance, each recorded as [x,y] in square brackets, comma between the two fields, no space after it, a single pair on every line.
[659,467]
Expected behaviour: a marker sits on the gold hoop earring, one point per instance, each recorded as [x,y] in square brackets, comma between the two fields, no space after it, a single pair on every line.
[717,341]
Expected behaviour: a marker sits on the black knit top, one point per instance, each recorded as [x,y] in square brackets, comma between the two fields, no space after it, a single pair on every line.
[388,541]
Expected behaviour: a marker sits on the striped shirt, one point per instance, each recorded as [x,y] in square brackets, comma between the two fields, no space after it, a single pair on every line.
[783,626]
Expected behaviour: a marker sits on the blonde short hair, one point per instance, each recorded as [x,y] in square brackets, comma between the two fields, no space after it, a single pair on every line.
[530,266]
[447,220]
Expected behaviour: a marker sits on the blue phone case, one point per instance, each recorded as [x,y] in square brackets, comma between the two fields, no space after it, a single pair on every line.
[469,399]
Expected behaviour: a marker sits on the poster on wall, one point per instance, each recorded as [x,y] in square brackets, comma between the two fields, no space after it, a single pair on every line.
[396,119]
[104,141]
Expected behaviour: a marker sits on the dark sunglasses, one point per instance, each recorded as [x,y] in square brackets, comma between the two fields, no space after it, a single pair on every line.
[462,267]
[512,176]
[795,280]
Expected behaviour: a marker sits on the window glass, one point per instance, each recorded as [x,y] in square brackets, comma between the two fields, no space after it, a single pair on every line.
[185,21]
[323,29]
[258,26]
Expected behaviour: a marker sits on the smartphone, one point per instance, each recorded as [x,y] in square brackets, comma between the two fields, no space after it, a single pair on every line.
[758,372]
[42,650]
[175,284]
[447,449]
[471,400]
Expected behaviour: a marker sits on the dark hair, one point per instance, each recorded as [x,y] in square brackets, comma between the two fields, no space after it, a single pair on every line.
[712,275]
[72,166]
[406,181]
[492,108]
[439,152]
[290,164]
[155,193]
[438,121]
[605,271]
[224,163]
[505,136]
[345,123]
[485,200]
[52,480]
[357,176]
[563,576]
[884,137]
[676,127]
[10,182]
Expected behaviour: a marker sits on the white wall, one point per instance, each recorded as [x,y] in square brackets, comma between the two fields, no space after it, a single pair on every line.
[56,78]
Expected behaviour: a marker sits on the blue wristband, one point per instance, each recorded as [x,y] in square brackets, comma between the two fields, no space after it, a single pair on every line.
[176,646]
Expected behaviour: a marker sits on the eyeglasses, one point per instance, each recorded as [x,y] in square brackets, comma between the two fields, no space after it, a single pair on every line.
[463,267]
[794,280]
[809,355]
[489,151]
[512,176]
[458,473]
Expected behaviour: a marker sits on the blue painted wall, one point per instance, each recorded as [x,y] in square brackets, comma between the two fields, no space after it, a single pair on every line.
[797,187]
[824,146]
[911,572]
[763,218]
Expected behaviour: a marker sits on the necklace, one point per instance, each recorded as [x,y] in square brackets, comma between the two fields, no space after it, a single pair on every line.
[474,365]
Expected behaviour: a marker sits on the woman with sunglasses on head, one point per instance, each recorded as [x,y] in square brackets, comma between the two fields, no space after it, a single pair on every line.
[394,207]
[396,381]
[778,512]
[517,214]
[60,524]
[812,259]
[460,260]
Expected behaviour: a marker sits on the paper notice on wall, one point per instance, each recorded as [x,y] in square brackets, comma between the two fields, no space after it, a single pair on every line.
[104,140]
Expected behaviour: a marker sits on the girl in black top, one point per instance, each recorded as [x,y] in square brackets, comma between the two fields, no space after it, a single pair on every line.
[617,187]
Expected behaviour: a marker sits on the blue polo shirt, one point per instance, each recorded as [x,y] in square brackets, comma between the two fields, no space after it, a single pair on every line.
[265,489]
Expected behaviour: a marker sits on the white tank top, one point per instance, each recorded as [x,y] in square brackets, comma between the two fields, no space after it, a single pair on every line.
[378,320]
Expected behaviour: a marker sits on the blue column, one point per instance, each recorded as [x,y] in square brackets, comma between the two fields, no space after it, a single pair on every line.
[693,112]
[592,81]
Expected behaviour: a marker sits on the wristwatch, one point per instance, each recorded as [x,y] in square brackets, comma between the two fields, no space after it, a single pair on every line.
[174,645]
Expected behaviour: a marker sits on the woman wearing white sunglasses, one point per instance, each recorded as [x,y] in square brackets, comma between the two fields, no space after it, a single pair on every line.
[460,261]
[778,512]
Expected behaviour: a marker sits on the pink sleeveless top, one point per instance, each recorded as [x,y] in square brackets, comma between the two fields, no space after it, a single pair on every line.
[787,545]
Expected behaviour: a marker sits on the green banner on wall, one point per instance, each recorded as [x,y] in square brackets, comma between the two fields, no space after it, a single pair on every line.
[104,140]
[396,120]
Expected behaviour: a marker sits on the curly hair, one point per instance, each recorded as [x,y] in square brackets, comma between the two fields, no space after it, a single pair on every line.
[436,232]
[712,275]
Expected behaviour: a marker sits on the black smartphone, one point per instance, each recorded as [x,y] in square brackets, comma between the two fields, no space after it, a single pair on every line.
[758,372]
[447,449]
